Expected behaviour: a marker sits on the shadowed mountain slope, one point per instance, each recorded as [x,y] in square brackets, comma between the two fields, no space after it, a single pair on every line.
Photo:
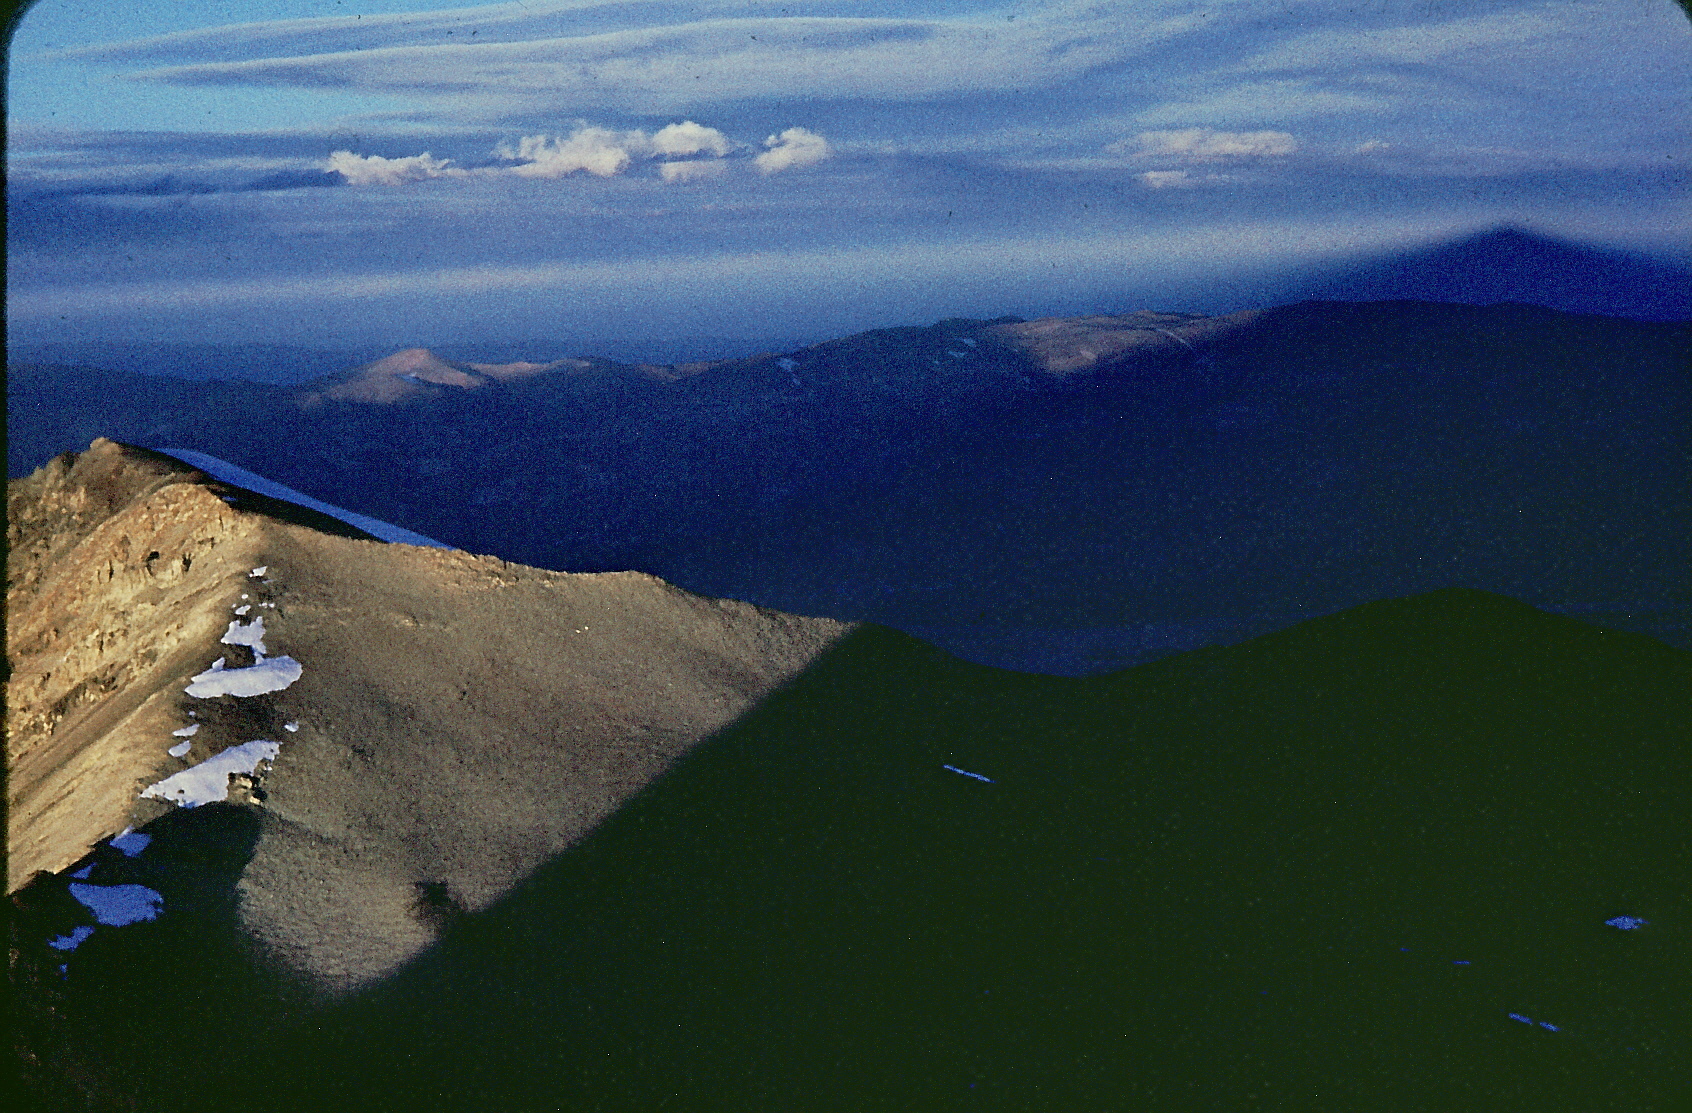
[1327,866]
[1425,854]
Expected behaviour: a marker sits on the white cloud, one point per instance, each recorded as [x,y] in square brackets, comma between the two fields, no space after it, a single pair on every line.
[1207,144]
[1183,179]
[792,148]
[599,151]
[602,152]
[689,138]
[1372,145]
[376,170]
[1165,179]
[606,153]
[692,170]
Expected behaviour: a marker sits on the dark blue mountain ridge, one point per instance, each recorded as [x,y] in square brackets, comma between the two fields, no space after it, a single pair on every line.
[1514,264]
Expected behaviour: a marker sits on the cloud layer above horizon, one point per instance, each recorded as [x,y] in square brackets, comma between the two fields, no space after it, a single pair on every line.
[644,143]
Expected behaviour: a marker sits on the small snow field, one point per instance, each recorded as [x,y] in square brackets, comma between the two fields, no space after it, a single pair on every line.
[119,905]
[270,675]
[186,732]
[208,782]
[77,937]
[249,634]
[180,749]
[131,842]
[241,477]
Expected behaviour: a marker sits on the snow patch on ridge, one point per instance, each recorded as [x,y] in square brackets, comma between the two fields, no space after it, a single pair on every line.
[71,942]
[241,477]
[131,842]
[250,635]
[119,905]
[270,675]
[208,782]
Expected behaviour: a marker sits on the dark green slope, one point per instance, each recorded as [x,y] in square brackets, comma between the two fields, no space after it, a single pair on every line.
[1315,871]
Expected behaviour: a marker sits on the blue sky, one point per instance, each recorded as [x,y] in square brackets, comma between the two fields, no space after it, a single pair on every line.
[355,172]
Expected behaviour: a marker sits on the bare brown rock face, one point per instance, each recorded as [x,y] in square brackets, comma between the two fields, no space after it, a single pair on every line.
[119,583]
[456,720]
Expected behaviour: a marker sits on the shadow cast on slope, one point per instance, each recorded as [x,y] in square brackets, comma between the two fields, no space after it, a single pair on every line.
[137,1015]
[1366,863]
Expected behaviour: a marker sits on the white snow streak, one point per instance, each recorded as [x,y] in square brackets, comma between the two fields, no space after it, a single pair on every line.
[185,732]
[180,749]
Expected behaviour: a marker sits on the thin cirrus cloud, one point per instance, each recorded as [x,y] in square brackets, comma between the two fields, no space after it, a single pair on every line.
[656,68]
[1208,144]
[526,20]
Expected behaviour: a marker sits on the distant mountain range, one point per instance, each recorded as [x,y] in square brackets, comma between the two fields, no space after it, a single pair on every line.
[1506,264]
[1067,495]
[467,835]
